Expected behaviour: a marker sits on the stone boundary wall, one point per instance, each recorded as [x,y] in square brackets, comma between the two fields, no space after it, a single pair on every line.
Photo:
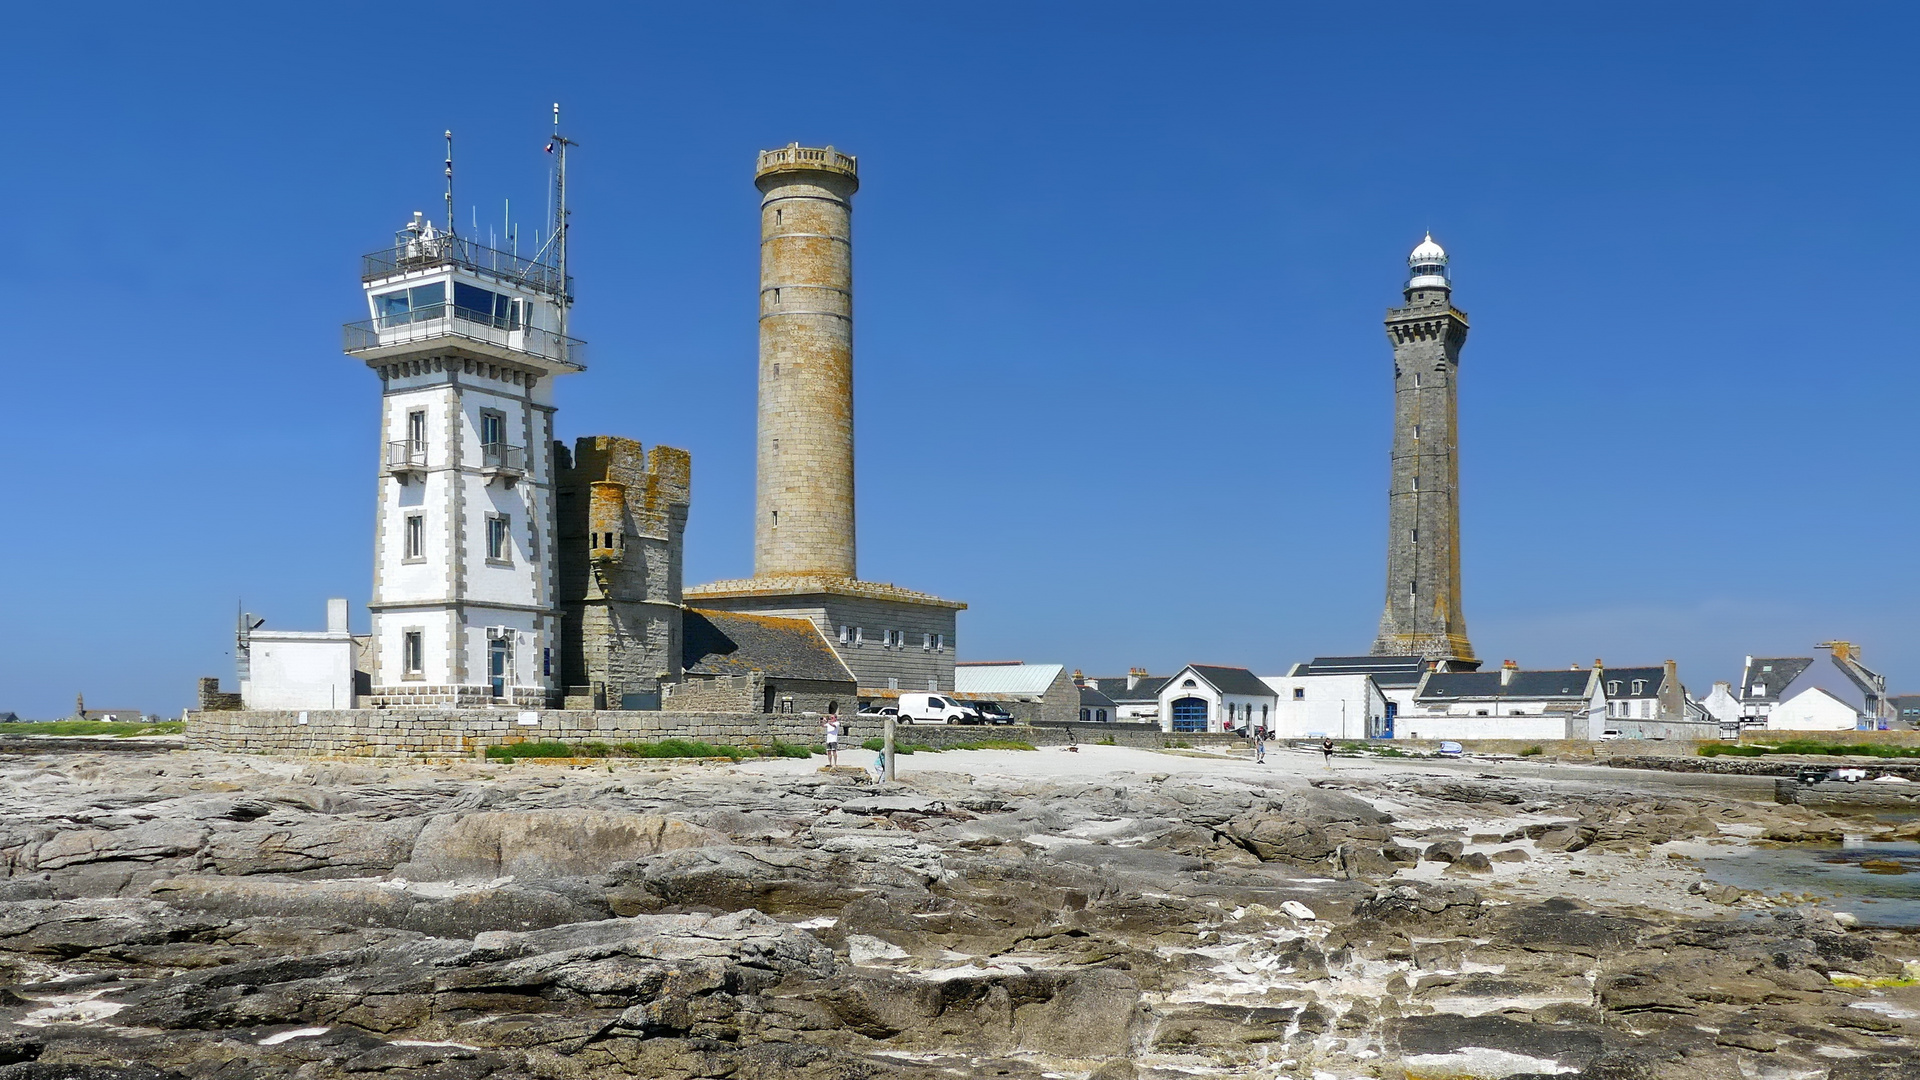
[1843,738]
[467,732]
[722,694]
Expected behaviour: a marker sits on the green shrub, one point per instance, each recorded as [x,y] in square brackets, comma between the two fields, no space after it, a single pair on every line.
[1108,741]
[787,750]
[1532,751]
[1177,744]
[899,747]
[1717,749]
[534,749]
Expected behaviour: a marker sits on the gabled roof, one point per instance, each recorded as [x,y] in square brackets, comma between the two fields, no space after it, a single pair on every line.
[1649,676]
[1230,680]
[1094,699]
[1386,670]
[1029,679]
[733,643]
[1771,674]
[1538,685]
[1146,689]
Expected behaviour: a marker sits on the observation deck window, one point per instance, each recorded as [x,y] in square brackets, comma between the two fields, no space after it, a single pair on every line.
[402,306]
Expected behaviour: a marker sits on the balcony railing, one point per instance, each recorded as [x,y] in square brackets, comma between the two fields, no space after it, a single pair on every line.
[442,320]
[404,458]
[793,155]
[503,458]
[412,251]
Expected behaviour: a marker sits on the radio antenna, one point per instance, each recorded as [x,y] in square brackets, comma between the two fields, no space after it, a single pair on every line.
[449,183]
[558,146]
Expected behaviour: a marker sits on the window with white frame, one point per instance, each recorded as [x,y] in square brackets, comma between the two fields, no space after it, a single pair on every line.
[415,532]
[846,633]
[933,684]
[499,538]
[893,683]
[939,643]
[859,636]
[926,641]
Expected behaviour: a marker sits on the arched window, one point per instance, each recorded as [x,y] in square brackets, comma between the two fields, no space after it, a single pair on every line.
[1083,716]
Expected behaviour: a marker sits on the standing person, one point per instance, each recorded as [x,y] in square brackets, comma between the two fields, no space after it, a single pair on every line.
[1260,745]
[830,732]
[1326,751]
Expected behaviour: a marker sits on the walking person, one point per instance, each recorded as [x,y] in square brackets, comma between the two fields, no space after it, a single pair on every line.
[1326,751]
[1260,745]
[830,733]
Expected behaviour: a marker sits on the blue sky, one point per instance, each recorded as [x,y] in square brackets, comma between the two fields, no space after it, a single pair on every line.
[1120,269]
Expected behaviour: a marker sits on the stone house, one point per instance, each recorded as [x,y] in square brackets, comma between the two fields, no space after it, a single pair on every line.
[1027,691]
[787,665]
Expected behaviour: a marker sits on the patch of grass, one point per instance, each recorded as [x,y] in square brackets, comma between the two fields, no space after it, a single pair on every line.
[788,750]
[93,727]
[1108,741]
[530,749]
[1811,748]
[1390,751]
[1532,751]
[992,744]
[665,748]
[1177,744]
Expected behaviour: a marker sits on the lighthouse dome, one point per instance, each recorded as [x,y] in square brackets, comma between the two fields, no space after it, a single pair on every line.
[1427,266]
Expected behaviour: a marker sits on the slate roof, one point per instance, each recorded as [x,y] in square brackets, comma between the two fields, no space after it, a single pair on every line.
[1232,680]
[733,643]
[1029,679]
[1386,670]
[1145,691]
[1625,676]
[1094,699]
[1453,685]
[1906,705]
[1772,674]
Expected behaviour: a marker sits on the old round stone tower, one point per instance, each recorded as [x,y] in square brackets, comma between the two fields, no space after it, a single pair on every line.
[804,494]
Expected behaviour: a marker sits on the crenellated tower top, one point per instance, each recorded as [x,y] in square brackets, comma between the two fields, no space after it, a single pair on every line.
[796,158]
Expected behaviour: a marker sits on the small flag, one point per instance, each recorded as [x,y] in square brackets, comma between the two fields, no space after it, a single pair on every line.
[549,148]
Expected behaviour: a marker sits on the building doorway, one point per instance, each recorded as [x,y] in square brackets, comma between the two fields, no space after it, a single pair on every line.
[499,652]
[1190,714]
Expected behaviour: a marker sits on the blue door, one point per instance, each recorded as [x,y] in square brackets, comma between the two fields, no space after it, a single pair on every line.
[1190,714]
[497,666]
[1386,725]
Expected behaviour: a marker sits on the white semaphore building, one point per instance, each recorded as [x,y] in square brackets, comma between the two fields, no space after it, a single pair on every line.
[467,342]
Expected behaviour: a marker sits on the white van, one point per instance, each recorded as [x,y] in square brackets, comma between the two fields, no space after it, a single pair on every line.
[935,709]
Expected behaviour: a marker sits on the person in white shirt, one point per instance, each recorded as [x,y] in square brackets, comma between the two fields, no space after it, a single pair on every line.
[831,734]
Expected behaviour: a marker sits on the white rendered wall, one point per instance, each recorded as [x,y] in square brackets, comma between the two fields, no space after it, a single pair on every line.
[1217,704]
[1458,727]
[1813,710]
[299,671]
[1336,705]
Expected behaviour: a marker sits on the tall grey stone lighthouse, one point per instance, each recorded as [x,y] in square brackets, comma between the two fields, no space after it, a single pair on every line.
[1422,615]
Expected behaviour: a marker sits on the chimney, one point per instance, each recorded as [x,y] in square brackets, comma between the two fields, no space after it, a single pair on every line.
[336,615]
[1507,668]
[1079,679]
[1673,673]
[1842,650]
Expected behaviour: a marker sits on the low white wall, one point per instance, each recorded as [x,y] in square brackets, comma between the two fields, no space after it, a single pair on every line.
[299,671]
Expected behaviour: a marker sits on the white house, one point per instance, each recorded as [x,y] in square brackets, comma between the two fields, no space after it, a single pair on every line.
[1344,706]
[1505,704]
[1202,697]
[1771,688]
[1355,697]
[1136,695]
[291,669]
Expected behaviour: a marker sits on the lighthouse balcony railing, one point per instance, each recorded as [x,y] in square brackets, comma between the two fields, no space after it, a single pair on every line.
[411,252]
[445,321]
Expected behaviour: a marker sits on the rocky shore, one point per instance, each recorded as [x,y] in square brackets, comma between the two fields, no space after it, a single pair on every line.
[1108,913]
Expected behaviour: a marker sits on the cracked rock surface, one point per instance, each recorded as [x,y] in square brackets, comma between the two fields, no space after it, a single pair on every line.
[1111,913]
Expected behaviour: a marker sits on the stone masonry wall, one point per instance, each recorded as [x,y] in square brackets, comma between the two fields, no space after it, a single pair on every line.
[400,733]
[727,693]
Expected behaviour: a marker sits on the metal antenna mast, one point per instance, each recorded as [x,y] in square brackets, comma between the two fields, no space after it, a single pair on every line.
[559,145]
[449,183]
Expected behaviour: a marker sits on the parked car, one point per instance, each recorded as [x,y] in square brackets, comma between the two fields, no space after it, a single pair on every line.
[880,713]
[992,712]
[935,709]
